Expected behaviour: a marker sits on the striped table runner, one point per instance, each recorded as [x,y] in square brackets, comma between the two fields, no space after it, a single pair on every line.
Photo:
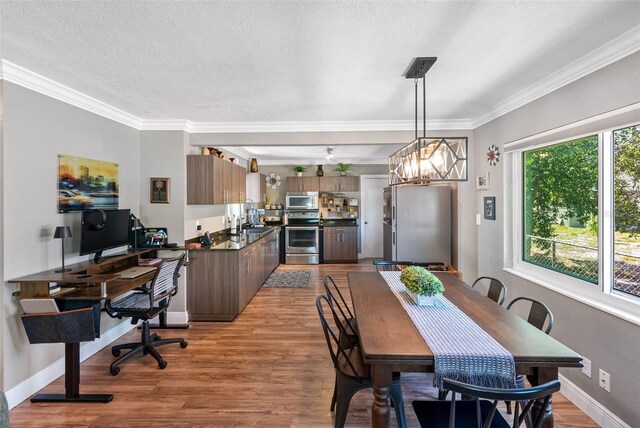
[463,351]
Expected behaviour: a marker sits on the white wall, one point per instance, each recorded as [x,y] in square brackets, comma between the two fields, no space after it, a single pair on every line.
[36,130]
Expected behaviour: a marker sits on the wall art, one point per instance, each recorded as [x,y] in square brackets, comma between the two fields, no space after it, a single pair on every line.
[159,192]
[490,207]
[86,184]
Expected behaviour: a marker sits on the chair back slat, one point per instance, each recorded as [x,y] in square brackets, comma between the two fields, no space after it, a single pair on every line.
[165,282]
[497,290]
[331,290]
[539,314]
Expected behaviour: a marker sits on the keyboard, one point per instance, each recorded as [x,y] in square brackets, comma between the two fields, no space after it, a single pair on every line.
[135,271]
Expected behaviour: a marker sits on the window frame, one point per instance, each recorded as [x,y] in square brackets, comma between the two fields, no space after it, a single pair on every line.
[602,295]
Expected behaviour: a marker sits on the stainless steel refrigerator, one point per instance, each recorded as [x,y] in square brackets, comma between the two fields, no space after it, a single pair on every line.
[417,223]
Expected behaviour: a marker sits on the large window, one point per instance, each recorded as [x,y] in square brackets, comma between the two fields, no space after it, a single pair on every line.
[581,209]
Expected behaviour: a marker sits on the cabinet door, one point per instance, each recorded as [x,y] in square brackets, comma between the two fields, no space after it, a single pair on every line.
[200,180]
[263,188]
[310,184]
[331,244]
[221,181]
[246,280]
[329,184]
[294,184]
[349,244]
[349,184]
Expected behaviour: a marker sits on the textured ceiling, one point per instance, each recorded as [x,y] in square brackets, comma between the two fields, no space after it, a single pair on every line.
[266,61]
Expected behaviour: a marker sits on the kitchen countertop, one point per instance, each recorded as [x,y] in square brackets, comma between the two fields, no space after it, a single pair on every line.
[339,223]
[237,242]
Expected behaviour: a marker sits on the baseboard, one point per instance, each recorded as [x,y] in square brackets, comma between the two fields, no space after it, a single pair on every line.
[592,408]
[30,386]
[174,318]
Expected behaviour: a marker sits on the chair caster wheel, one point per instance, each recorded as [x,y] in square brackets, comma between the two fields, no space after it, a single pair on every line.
[162,365]
[114,370]
[157,338]
[184,344]
[115,352]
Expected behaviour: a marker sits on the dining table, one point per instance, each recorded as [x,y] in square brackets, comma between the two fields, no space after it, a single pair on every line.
[390,341]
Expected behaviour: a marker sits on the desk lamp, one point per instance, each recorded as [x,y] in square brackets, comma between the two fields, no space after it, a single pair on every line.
[61,233]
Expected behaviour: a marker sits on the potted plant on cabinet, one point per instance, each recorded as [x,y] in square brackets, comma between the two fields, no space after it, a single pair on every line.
[342,168]
[299,170]
[423,286]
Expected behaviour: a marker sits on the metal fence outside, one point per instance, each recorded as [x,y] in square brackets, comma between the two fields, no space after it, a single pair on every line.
[581,261]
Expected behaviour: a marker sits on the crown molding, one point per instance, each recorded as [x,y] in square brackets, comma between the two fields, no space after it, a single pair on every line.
[616,49]
[28,79]
[307,162]
[239,152]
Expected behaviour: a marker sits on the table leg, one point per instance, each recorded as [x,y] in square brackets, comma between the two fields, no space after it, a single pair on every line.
[382,379]
[543,375]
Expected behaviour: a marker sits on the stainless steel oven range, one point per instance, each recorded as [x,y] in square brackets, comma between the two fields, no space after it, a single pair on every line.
[302,238]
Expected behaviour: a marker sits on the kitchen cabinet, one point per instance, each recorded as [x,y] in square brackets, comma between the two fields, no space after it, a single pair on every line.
[341,244]
[221,283]
[302,184]
[256,187]
[214,181]
[339,184]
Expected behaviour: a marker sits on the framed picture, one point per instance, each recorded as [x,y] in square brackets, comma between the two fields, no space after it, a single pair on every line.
[490,207]
[86,184]
[160,190]
[482,181]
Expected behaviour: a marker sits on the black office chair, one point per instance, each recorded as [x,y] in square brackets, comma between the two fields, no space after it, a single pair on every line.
[145,305]
[480,412]
[352,374]
[497,290]
[541,317]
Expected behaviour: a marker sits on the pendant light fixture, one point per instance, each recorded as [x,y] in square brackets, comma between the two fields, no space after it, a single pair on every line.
[427,160]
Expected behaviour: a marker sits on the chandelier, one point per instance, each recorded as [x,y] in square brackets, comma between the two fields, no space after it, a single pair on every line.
[427,160]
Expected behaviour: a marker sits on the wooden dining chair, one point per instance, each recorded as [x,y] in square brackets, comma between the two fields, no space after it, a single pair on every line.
[352,374]
[497,290]
[481,410]
[541,317]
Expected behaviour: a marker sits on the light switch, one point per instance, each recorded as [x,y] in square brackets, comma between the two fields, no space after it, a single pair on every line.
[478,219]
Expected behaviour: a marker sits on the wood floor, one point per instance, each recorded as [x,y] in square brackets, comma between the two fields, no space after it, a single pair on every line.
[269,368]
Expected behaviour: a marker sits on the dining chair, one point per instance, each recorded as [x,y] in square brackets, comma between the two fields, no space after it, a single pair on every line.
[497,290]
[346,322]
[541,317]
[352,374]
[481,410]
[390,266]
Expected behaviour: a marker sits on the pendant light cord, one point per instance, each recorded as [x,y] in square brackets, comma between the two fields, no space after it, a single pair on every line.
[424,107]
[415,83]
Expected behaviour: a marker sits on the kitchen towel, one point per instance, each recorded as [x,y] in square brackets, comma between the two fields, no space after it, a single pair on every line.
[462,350]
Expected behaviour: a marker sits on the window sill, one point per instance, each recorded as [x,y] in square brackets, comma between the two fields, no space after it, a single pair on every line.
[617,305]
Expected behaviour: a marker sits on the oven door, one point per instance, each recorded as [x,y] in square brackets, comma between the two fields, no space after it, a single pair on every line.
[302,202]
[302,239]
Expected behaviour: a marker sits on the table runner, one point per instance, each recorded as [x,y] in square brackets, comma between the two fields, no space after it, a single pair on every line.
[462,350]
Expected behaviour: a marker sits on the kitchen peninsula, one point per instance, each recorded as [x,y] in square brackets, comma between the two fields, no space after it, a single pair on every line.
[230,272]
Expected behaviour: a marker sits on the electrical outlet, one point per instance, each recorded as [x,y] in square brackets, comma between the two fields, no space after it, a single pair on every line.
[586,367]
[605,380]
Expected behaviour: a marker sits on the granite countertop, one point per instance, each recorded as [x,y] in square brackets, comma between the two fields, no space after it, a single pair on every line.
[339,223]
[237,242]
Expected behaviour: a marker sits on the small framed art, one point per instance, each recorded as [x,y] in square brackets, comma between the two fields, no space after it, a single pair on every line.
[482,181]
[490,207]
[160,190]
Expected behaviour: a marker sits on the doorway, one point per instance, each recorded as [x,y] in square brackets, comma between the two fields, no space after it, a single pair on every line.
[372,214]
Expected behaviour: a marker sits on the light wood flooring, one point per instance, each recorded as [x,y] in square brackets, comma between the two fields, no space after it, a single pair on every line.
[268,368]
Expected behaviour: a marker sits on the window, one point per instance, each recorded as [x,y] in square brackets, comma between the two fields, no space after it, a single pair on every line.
[560,215]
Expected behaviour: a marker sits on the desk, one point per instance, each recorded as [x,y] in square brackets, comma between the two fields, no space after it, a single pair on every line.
[90,281]
[390,341]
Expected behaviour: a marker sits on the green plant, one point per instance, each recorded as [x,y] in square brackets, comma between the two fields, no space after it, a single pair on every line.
[420,281]
[343,167]
[299,168]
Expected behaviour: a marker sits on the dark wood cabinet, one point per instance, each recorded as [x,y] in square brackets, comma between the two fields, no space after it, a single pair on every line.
[214,181]
[302,184]
[341,244]
[339,184]
[220,284]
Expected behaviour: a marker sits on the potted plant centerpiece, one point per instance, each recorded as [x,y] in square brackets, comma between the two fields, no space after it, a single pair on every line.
[342,168]
[423,286]
[299,170]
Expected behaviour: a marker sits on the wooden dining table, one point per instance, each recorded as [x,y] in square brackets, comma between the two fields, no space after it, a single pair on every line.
[391,342]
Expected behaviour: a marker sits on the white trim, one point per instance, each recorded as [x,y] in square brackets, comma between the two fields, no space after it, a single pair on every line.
[174,318]
[28,79]
[165,125]
[607,54]
[39,380]
[592,408]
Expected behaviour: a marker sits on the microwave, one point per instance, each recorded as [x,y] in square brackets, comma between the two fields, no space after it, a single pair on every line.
[302,201]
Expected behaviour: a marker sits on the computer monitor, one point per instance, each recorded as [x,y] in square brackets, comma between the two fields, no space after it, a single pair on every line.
[103,230]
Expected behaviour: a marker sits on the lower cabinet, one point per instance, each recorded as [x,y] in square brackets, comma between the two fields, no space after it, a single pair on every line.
[221,283]
[341,244]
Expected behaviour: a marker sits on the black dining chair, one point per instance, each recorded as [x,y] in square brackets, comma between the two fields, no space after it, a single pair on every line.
[541,317]
[352,374]
[481,409]
[497,290]
[390,266]
[346,322]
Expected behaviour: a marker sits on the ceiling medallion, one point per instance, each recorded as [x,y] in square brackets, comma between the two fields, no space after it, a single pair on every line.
[273,180]
[493,155]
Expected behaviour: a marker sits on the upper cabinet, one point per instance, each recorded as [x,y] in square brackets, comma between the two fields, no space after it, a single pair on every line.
[256,187]
[339,184]
[302,184]
[214,181]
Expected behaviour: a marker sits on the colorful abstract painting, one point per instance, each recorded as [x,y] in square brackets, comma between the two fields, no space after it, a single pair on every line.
[86,184]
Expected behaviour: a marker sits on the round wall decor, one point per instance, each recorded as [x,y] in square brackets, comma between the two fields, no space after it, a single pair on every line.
[273,180]
[493,155]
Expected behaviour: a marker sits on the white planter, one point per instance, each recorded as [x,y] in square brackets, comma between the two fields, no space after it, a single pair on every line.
[423,300]
[299,174]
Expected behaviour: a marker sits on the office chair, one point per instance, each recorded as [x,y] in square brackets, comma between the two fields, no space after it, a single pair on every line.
[145,305]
